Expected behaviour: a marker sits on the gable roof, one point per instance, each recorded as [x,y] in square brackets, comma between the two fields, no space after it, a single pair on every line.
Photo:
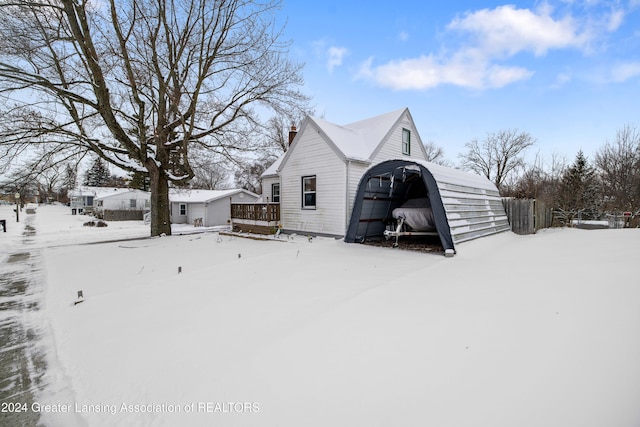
[84,191]
[358,141]
[103,196]
[273,169]
[203,196]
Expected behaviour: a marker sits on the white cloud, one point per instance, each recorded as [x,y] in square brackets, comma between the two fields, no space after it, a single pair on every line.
[427,72]
[403,36]
[626,71]
[562,79]
[334,56]
[506,31]
[615,20]
[489,38]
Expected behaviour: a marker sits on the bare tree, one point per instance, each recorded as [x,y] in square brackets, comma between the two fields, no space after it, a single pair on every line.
[618,165]
[279,127]
[498,156]
[141,82]
[540,180]
[435,154]
[248,174]
[211,172]
[49,183]
[42,173]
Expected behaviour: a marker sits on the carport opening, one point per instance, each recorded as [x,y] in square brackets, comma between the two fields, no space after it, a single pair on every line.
[396,211]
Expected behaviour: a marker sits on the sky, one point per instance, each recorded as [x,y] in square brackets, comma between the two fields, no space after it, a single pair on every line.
[566,72]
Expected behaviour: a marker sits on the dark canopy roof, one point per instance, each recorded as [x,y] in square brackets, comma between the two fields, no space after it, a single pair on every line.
[465,206]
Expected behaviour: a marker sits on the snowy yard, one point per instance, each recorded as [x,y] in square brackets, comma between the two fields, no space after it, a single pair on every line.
[540,330]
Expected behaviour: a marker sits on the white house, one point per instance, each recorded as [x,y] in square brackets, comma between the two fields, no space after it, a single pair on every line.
[315,181]
[122,204]
[82,198]
[206,207]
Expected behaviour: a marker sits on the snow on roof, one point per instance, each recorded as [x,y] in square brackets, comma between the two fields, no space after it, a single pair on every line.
[448,175]
[359,140]
[273,169]
[203,196]
[356,141]
[125,190]
[85,190]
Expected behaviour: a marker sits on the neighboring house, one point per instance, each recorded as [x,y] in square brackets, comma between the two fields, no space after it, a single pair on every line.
[127,204]
[206,207]
[82,198]
[315,181]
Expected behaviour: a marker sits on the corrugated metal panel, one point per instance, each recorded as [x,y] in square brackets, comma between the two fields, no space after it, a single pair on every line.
[472,212]
[465,206]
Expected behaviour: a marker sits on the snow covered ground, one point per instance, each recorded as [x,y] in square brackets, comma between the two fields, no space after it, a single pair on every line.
[540,330]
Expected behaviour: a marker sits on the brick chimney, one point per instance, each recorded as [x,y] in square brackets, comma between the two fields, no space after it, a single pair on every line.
[292,135]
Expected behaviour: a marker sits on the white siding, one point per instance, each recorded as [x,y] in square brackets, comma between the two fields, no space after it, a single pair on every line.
[123,201]
[392,147]
[176,218]
[195,210]
[266,187]
[356,170]
[313,156]
[218,212]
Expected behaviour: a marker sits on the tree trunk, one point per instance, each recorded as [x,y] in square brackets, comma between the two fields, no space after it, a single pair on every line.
[160,206]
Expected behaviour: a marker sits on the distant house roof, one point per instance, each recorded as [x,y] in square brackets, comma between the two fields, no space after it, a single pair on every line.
[84,191]
[107,195]
[355,141]
[204,196]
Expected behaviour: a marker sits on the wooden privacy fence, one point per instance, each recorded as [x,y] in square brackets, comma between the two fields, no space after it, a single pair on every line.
[526,216]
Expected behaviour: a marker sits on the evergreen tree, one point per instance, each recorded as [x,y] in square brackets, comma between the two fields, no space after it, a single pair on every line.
[579,190]
[98,174]
[139,180]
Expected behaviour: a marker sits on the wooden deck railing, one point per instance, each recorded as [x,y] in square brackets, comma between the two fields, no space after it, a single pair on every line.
[256,211]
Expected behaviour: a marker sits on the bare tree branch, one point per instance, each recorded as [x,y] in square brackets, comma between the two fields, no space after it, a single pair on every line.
[499,156]
[142,82]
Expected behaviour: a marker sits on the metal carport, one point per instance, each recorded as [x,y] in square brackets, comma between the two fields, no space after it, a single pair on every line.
[465,206]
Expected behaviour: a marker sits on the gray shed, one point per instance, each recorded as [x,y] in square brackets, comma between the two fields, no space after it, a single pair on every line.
[413,197]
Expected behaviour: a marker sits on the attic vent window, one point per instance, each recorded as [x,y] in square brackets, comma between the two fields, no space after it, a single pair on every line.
[406,142]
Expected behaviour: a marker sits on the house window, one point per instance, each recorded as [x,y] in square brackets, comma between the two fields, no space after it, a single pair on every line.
[308,192]
[406,142]
[275,193]
[183,209]
[132,203]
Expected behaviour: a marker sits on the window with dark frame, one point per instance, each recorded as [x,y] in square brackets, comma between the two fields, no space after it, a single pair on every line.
[275,193]
[308,192]
[406,142]
[183,209]
[132,203]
